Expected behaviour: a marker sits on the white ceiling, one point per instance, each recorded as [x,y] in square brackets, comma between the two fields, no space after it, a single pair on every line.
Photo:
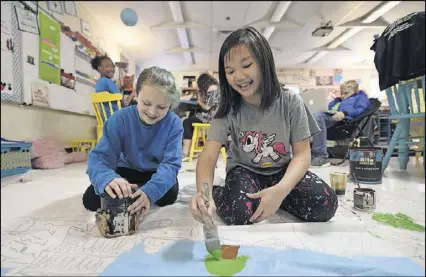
[291,46]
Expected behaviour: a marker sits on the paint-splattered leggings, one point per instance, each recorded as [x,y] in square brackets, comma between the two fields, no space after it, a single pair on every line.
[311,200]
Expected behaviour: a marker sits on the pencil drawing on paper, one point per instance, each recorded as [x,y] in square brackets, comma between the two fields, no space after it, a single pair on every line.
[73,245]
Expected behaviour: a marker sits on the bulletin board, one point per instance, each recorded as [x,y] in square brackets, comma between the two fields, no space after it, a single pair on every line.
[38,54]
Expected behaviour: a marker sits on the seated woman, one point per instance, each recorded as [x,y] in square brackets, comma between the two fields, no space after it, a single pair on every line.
[141,147]
[352,103]
[106,68]
[208,100]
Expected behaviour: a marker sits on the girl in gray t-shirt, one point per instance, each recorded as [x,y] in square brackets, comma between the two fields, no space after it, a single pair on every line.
[269,155]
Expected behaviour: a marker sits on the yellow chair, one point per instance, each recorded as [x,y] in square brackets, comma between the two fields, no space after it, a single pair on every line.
[201,129]
[83,145]
[99,99]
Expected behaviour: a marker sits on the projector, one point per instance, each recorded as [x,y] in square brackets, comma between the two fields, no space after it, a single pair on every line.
[323,31]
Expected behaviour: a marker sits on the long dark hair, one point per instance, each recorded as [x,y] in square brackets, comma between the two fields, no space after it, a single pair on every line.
[269,87]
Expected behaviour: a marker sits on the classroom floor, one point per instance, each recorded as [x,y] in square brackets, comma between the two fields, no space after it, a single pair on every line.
[39,216]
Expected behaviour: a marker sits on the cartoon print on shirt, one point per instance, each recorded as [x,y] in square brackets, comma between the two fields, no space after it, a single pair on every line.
[263,146]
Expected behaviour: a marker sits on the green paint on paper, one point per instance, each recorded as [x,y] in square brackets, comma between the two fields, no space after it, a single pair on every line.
[225,267]
[399,220]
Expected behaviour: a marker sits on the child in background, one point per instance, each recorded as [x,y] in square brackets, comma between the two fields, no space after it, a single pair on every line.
[208,100]
[141,147]
[106,68]
[265,122]
[352,103]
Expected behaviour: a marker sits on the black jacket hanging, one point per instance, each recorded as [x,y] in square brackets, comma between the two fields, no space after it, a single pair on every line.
[400,50]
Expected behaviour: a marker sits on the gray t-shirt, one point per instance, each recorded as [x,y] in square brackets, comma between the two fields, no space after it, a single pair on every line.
[261,141]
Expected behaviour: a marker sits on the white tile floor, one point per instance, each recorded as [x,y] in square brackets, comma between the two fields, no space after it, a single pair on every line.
[57,194]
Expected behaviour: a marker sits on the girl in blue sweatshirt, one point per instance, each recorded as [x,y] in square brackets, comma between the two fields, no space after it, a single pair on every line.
[141,148]
[106,69]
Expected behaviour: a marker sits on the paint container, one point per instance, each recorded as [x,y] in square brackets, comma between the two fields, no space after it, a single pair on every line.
[364,199]
[229,252]
[366,163]
[338,182]
[114,220]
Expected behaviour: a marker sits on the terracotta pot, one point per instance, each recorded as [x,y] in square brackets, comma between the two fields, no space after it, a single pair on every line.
[229,252]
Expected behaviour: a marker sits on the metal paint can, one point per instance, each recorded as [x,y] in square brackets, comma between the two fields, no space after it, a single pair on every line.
[366,163]
[364,199]
[114,220]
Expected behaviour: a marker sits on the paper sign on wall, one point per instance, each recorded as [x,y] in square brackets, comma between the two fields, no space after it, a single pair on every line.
[40,94]
[27,21]
[50,43]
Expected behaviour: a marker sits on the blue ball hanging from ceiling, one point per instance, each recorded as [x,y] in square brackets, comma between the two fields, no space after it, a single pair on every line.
[129,17]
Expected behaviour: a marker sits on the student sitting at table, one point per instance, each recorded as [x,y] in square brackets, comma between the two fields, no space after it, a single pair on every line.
[106,68]
[208,100]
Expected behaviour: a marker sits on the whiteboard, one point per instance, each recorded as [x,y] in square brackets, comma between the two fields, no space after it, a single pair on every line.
[67,54]
[60,98]
[6,49]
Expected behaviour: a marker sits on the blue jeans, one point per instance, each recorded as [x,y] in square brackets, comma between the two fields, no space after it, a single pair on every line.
[319,141]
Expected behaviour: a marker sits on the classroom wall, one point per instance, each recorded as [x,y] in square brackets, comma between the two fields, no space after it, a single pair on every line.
[305,78]
[28,123]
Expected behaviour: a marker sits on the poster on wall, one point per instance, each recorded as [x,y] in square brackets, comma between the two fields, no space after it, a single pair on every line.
[54,6]
[338,77]
[85,28]
[324,81]
[50,42]
[27,21]
[70,9]
[40,94]
[6,48]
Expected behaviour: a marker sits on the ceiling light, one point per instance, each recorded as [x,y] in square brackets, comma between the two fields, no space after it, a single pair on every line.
[316,57]
[384,8]
[268,32]
[344,37]
[280,11]
[276,17]
[176,11]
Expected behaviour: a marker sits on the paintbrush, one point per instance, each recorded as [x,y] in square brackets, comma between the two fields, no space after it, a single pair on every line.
[356,180]
[211,236]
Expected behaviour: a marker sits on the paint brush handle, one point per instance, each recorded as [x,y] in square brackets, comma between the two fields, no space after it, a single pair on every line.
[356,180]
[205,195]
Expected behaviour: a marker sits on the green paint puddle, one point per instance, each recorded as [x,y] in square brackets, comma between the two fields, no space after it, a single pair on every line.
[399,220]
[223,267]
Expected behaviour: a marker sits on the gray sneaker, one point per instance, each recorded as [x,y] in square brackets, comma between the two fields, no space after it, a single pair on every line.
[320,162]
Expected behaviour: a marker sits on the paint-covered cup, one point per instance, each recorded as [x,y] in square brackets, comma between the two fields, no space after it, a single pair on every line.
[114,220]
[338,182]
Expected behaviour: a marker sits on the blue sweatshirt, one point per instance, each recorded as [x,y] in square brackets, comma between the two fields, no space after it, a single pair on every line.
[353,106]
[128,142]
[106,84]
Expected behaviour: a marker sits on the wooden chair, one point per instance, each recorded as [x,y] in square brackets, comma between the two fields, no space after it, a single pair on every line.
[83,145]
[99,101]
[200,135]
[406,101]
